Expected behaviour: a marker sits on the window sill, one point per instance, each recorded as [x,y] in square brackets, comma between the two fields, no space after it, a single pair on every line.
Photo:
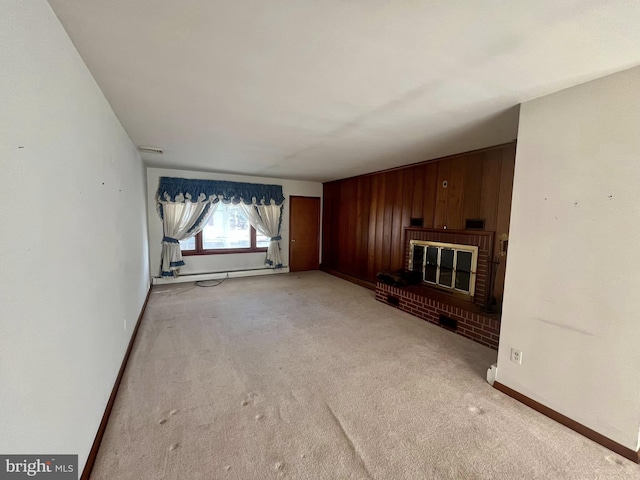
[225,251]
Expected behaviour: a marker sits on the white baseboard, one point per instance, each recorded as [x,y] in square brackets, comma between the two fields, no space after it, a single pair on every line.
[198,277]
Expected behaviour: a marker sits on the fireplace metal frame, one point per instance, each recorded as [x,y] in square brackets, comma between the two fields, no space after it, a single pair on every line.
[453,246]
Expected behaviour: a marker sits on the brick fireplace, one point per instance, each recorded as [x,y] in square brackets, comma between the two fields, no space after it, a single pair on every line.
[467,318]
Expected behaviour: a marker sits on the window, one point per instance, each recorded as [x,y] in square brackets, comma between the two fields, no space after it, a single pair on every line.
[227,231]
[445,265]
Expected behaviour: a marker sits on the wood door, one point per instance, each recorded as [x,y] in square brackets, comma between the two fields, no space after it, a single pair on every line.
[304,233]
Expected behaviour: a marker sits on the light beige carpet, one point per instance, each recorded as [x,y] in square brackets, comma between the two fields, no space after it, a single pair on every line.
[306,376]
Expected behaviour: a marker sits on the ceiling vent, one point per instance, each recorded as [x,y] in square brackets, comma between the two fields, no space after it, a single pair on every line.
[150,149]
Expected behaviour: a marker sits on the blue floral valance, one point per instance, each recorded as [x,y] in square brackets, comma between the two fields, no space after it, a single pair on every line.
[173,189]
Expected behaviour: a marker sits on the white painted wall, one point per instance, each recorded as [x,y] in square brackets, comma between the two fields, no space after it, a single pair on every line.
[226,262]
[73,242]
[572,294]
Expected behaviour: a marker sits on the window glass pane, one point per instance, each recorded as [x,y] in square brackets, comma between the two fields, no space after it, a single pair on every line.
[463,270]
[418,257]
[432,256]
[446,258]
[430,272]
[446,267]
[462,280]
[262,241]
[227,228]
[431,267]
[463,263]
[446,276]
[188,244]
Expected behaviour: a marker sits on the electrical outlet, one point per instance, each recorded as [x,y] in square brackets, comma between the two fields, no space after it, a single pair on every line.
[516,356]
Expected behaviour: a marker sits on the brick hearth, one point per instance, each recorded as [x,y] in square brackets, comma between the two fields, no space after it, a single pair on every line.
[480,327]
[429,303]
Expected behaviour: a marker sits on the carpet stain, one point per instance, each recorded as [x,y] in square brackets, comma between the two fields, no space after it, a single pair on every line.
[614,459]
[162,421]
[173,412]
[174,446]
[477,410]
[244,403]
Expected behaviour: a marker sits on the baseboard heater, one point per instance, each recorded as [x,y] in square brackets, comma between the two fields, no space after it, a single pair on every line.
[219,275]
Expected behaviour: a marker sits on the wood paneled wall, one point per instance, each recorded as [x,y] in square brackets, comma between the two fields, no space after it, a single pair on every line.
[364,217]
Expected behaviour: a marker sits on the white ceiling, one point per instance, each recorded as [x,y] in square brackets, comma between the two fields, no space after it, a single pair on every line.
[320,90]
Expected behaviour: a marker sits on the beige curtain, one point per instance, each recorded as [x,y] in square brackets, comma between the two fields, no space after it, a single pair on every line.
[267,219]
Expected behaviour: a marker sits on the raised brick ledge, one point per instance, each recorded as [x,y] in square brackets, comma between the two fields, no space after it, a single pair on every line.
[479,327]
[481,239]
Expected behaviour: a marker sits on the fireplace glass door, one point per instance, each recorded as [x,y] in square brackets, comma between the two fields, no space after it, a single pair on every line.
[447,266]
